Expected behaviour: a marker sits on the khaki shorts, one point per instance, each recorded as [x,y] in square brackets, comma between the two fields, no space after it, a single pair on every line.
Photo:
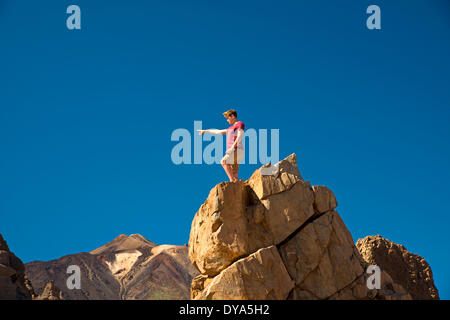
[235,157]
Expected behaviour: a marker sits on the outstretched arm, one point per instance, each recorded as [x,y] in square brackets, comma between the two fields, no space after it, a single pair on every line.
[212,131]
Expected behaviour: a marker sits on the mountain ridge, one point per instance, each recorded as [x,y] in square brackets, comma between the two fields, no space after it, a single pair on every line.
[108,272]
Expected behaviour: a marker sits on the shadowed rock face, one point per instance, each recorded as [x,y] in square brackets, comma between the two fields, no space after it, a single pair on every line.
[14,285]
[129,267]
[276,237]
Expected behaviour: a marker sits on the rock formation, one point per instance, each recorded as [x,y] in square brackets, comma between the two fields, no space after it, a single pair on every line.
[129,267]
[51,292]
[14,285]
[276,237]
[409,270]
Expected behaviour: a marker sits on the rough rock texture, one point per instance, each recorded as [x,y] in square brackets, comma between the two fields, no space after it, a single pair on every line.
[51,292]
[129,267]
[321,258]
[358,290]
[324,199]
[14,285]
[409,270]
[276,237]
[287,175]
[234,222]
[245,279]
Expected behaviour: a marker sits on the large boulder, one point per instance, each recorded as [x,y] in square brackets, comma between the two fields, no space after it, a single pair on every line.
[324,199]
[219,229]
[409,270]
[322,258]
[276,237]
[285,175]
[240,217]
[261,275]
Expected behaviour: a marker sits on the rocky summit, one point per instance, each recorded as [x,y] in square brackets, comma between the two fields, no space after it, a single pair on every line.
[278,237]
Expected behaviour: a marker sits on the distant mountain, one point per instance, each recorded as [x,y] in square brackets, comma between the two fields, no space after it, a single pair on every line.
[129,267]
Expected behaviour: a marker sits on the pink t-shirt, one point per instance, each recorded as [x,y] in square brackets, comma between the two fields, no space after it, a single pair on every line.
[232,134]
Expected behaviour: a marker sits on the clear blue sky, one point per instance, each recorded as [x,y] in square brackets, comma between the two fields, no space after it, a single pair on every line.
[86,116]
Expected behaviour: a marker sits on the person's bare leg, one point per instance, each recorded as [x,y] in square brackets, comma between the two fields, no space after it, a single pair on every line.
[234,167]
[236,172]
[233,172]
[227,169]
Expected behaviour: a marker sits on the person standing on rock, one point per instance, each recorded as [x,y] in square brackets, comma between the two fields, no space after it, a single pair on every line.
[235,150]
